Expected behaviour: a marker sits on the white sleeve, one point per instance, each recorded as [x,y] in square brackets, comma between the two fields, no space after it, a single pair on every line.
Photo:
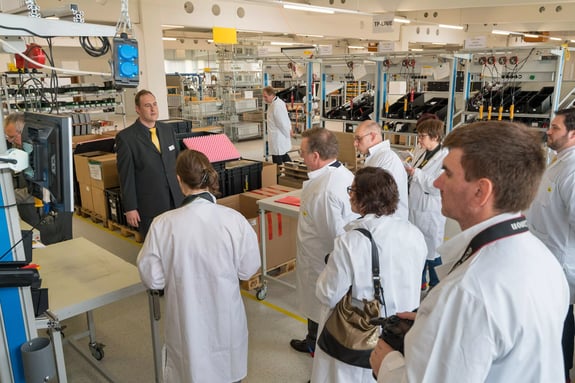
[392,369]
[149,262]
[249,251]
[335,279]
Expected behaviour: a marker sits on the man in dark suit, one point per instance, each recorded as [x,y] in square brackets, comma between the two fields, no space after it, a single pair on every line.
[147,152]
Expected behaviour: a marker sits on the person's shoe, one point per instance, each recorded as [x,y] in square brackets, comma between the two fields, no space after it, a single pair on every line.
[424,286]
[301,346]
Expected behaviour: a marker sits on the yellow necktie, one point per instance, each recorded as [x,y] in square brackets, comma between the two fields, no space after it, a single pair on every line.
[155,139]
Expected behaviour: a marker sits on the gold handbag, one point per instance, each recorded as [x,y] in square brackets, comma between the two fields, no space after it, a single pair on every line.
[348,335]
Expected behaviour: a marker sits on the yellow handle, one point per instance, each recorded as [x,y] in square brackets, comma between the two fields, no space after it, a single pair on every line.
[511,111]
[481,112]
[489,110]
[500,114]
[405,105]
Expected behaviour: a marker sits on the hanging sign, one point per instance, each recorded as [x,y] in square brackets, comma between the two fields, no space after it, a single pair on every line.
[382,23]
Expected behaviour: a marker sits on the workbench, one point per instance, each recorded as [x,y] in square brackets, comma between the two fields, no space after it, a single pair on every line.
[270,204]
[80,277]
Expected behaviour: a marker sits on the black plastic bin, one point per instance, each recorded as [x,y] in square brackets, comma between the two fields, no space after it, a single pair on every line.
[242,176]
[114,206]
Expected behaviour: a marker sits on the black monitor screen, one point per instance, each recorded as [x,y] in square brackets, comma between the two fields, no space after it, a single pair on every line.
[47,138]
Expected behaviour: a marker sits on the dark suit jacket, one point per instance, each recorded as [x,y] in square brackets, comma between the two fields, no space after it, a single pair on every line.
[147,177]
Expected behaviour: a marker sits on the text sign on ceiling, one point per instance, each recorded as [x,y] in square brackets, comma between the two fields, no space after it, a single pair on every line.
[382,23]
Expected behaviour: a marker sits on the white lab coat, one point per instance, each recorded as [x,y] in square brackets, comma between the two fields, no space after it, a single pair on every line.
[496,318]
[402,253]
[279,128]
[551,216]
[197,253]
[381,156]
[324,211]
[425,200]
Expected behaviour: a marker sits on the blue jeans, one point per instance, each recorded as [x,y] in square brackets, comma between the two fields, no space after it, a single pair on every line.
[430,267]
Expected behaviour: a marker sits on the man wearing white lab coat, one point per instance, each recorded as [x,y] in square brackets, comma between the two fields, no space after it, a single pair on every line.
[498,315]
[368,140]
[551,217]
[279,126]
[197,253]
[324,211]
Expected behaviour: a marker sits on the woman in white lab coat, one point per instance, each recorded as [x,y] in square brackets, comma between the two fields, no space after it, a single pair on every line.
[424,198]
[402,254]
[197,253]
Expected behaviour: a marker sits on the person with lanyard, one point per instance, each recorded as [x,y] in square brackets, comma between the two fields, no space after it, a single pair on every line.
[551,217]
[373,194]
[368,140]
[498,315]
[324,211]
[206,333]
[424,198]
[278,125]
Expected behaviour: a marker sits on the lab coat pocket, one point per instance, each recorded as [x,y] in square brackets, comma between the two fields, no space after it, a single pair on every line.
[549,188]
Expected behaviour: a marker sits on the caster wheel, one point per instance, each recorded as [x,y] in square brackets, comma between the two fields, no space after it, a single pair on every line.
[97,350]
[262,293]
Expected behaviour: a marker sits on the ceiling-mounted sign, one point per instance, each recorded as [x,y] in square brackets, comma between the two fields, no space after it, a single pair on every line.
[385,46]
[225,35]
[382,23]
[476,42]
[325,50]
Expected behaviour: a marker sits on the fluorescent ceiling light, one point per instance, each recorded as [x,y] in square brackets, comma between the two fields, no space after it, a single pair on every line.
[315,8]
[401,20]
[438,43]
[281,43]
[416,49]
[169,38]
[355,47]
[302,35]
[170,26]
[52,18]
[555,38]
[309,8]
[447,26]
[532,36]
[573,41]
[499,32]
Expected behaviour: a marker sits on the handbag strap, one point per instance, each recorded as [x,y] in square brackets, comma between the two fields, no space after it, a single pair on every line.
[374,267]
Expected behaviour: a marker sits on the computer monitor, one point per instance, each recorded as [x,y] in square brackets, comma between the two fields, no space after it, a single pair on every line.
[47,138]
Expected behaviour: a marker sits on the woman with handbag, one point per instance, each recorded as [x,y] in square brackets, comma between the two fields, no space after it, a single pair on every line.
[379,256]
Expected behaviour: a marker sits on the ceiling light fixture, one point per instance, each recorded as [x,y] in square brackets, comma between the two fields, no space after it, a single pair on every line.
[316,8]
[416,49]
[170,26]
[309,8]
[447,26]
[169,38]
[500,32]
[401,20]
[303,35]
[355,47]
[531,36]
[555,39]
[282,43]
[438,43]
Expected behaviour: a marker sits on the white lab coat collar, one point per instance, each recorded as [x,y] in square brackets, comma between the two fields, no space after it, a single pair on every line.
[453,249]
[318,172]
[565,152]
[383,145]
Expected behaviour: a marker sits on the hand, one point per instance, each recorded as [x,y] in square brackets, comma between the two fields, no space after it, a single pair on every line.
[378,354]
[408,168]
[133,218]
[407,315]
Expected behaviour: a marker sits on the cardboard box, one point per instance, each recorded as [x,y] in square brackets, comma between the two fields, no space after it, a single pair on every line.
[280,229]
[82,168]
[100,202]
[296,183]
[86,196]
[103,171]
[347,154]
[269,174]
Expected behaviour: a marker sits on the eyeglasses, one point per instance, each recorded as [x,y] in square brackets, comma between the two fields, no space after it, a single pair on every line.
[350,190]
[359,138]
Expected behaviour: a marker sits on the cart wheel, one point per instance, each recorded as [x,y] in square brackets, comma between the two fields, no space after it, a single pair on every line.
[262,293]
[97,350]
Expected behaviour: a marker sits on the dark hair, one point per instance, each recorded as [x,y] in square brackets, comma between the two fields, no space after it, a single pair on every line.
[139,95]
[426,117]
[375,191]
[569,117]
[507,154]
[196,171]
[433,128]
[323,141]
